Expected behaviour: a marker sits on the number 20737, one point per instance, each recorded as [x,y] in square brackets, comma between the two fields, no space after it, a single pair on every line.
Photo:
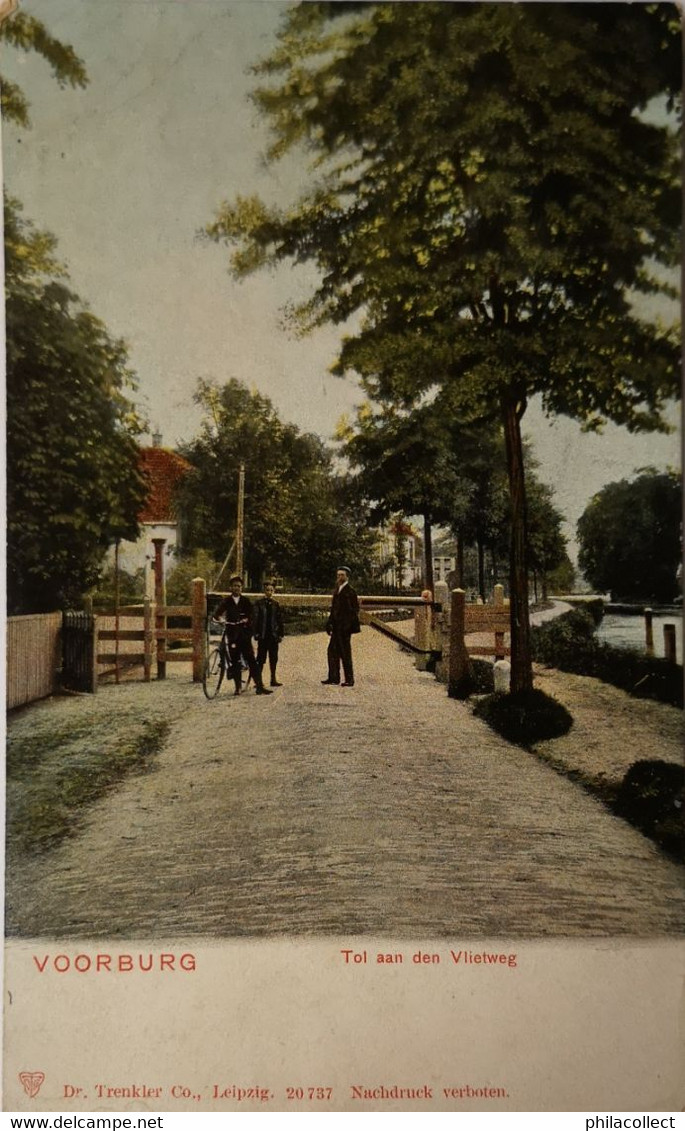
[317,1093]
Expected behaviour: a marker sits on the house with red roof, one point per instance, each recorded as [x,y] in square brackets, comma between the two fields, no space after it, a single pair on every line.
[163,470]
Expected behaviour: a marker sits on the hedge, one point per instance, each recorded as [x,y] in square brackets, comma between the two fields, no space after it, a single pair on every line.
[569,643]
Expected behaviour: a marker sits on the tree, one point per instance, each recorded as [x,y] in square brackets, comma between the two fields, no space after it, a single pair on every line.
[408,462]
[546,543]
[491,199]
[26,33]
[73,484]
[630,537]
[295,519]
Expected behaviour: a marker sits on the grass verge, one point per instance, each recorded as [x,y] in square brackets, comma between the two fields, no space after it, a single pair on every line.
[650,797]
[52,777]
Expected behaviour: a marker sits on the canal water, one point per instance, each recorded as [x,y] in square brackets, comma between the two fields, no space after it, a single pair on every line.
[627,630]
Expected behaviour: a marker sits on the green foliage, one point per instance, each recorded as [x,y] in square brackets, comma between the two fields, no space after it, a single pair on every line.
[484,185]
[302,622]
[562,578]
[479,680]
[629,537]
[524,717]
[652,797]
[408,462]
[26,33]
[489,196]
[546,545]
[131,588]
[569,643]
[73,484]
[52,777]
[297,520]
[189,565]
[563,635]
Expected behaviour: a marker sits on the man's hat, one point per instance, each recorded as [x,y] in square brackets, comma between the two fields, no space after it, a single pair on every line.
[345,569]
[236,577]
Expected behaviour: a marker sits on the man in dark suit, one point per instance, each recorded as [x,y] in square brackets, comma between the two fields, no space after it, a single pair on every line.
[236,610]
[268,630]
[343,621]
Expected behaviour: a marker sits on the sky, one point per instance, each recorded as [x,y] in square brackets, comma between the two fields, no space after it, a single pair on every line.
[126,173]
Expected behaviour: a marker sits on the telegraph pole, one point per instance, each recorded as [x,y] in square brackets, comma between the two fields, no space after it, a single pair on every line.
[239,534]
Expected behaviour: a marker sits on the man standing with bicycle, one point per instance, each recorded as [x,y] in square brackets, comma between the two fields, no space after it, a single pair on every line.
[236,610]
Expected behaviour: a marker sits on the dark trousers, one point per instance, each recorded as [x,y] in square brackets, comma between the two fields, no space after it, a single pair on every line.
[242,647]
[340,651]
[267,646]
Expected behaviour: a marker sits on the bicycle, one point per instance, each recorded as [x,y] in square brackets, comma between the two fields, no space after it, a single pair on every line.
[221,658]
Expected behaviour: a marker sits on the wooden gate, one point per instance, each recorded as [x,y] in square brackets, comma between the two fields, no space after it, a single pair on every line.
[78,652]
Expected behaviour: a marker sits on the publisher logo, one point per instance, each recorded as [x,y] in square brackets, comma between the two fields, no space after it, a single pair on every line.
[32,1082]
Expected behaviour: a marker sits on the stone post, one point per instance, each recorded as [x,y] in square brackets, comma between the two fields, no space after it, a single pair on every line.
[501,671]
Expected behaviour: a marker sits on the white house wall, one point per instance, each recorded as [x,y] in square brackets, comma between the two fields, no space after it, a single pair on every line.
[134,556]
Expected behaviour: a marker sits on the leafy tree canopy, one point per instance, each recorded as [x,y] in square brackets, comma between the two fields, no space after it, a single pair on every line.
[72,479]
[488,193]
[26,33]
[630,537]
[296,522]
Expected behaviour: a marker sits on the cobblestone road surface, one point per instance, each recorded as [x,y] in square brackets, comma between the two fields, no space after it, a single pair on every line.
[386,809]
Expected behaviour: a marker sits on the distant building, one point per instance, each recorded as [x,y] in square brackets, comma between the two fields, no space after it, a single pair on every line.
[163,470]
[399,550]
[444,558]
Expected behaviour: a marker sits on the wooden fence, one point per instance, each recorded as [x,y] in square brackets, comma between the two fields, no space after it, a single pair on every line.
[137,637]
[34,654]
[486,625]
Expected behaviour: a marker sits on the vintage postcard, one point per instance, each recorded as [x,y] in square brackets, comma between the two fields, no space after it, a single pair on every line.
[297,297]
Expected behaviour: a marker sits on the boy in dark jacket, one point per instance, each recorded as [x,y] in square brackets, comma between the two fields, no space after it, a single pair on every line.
[268,630]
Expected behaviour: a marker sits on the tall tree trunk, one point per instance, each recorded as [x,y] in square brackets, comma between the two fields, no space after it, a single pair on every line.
[481,566]
[521,660]
[493,561]
[428,553]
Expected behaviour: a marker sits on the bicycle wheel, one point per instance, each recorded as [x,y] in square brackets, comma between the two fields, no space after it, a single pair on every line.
[213,674]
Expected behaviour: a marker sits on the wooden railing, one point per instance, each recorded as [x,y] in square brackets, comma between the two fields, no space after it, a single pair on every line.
[460,619]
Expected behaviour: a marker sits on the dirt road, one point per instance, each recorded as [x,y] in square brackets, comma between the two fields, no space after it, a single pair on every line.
[386,809]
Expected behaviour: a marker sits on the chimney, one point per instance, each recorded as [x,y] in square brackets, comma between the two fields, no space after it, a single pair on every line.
[157,439]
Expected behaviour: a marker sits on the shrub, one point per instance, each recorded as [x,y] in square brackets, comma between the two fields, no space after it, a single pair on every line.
[179,578]
[651,798]
[479,680]
[569,643]
[131,588]
[299,622]
[525,717]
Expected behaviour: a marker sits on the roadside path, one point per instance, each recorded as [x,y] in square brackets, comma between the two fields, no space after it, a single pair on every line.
[386,809]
